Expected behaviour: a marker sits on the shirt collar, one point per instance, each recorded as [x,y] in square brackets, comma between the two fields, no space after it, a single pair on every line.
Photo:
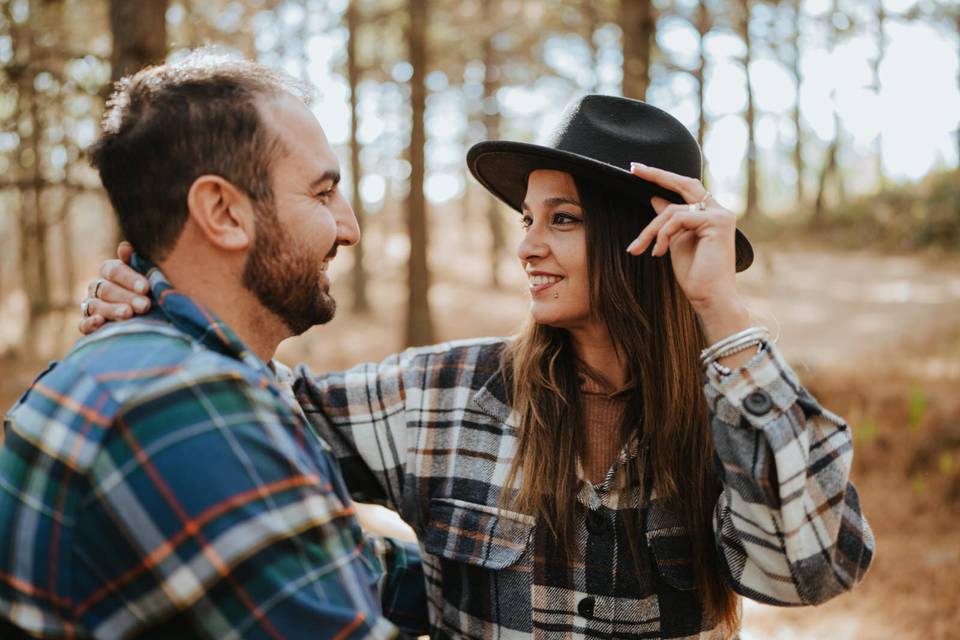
[194,319]
[593,384]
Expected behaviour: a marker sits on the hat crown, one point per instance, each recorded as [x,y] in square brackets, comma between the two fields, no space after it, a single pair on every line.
[618,131]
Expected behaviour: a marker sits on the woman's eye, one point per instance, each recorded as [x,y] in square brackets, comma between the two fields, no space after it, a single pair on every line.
[564,219]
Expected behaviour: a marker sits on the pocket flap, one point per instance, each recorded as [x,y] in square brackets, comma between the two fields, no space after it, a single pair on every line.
[671,547]
[476,534]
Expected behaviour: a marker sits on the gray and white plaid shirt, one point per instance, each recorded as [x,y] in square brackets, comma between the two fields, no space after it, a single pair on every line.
[428,433]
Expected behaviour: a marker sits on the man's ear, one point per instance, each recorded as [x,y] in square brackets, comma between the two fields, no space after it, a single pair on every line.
[221,212]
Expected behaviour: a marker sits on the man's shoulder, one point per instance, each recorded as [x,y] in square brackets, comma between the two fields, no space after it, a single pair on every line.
[120,368]
[140,357]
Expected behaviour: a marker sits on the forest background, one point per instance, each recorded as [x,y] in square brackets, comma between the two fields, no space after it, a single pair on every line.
[831,126]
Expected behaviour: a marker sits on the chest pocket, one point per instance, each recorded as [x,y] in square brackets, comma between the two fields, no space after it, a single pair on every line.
[477,534]
[483,562]
[670,546]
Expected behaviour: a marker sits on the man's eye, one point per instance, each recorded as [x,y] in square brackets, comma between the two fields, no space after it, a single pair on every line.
[526,221]
[325,195]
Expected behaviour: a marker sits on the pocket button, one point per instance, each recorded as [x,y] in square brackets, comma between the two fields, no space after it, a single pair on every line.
[585,607]
[758,403]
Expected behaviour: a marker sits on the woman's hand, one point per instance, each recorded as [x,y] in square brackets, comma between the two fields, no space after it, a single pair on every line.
[117,294]
[700,238]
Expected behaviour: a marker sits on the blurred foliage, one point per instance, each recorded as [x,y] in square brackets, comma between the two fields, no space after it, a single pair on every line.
[910,216]
[899,217]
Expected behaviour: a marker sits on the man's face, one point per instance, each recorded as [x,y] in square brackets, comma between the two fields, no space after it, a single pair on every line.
[298,236]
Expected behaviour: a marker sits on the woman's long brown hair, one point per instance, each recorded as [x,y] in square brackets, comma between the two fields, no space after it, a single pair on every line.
[657,333]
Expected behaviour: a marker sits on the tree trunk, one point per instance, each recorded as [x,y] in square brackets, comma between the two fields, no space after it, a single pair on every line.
[419,324]
[752,205]
[875,64]
[139,31]
[491,124]
[798,82]
[702,22]
[361,302]
[29,169]
[591,20]
[638,23]
[829,166]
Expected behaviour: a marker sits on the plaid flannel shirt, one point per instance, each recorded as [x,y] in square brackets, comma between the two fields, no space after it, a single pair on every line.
[157,482]
[429,434]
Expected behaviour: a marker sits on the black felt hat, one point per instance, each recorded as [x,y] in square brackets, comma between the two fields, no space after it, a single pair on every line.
[598,139]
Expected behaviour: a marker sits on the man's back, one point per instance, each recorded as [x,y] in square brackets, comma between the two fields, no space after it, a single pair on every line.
[158,481]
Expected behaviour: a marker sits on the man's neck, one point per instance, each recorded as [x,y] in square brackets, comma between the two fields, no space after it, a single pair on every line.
[218,289]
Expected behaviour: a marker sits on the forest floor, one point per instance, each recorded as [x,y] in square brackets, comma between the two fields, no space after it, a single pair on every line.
[875,337]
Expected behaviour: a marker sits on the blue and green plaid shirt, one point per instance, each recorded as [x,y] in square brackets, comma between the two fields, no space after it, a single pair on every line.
[158,482]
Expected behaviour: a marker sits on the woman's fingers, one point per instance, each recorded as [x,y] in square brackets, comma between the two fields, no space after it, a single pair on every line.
[108,310]
[109,292]
[121,274]
[690,189]
[89,324]
[642,241]
[680,221]
[125,251]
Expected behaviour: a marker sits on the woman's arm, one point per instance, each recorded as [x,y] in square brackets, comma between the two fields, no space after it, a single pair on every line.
[359,413]
[788,525]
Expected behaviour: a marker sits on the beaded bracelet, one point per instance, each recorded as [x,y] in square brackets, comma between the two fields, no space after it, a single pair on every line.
[751,337]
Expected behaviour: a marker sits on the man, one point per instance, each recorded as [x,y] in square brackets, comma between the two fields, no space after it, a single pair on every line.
[158,481]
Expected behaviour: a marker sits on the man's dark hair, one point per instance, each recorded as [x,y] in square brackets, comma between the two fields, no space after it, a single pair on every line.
[167,125]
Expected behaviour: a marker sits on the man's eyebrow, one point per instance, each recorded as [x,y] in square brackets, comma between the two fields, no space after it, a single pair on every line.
[332,175]
[553,202]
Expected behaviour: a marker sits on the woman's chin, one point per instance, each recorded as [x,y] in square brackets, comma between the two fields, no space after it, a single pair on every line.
[548,317]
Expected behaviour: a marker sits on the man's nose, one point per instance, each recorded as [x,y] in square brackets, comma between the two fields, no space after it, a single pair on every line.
[348,229]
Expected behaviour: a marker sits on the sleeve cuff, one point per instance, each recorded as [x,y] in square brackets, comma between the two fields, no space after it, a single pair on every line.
[759,391]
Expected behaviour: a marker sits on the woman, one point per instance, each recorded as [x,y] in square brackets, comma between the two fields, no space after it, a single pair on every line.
[603,473]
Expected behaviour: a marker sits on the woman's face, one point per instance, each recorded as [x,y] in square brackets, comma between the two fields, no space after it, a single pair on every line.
[553,251]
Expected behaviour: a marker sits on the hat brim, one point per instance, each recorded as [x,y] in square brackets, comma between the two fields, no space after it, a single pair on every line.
[503,167]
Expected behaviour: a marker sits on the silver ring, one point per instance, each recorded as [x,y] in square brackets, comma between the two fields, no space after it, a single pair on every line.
[692,208]
[85,308]
[96,288]
[702,205]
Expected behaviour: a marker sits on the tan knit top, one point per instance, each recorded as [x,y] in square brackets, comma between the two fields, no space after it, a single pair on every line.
[603,409]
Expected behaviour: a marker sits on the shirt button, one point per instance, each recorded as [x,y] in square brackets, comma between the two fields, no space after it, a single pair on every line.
[758,402]
[585,607]
[596,522]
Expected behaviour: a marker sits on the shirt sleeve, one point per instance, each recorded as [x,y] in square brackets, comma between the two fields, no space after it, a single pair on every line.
[360,413]
[788,524]
[403,590]
[214,512]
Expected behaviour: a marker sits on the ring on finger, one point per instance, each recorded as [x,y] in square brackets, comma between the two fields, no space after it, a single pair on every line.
[96,287]
[85,308]
[702,205]
[692,208]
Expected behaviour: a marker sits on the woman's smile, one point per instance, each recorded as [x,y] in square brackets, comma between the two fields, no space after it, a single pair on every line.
[542,280]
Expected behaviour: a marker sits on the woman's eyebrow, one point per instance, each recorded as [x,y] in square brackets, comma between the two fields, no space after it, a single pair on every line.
[552,202]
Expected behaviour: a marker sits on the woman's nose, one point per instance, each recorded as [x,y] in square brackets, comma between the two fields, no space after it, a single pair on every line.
[532,245]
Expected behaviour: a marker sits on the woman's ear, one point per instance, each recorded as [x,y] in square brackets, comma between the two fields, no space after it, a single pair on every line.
[221,212]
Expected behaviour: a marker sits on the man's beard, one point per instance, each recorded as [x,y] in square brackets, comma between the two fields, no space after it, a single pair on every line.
[285,276]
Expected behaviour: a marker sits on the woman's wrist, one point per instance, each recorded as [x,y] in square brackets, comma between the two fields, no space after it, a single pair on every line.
[723,318]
